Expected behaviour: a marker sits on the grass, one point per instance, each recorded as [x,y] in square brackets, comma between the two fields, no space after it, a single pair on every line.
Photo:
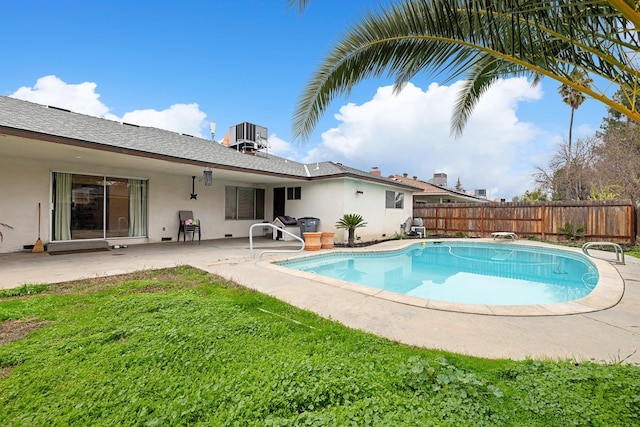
[633,251]
[181,347]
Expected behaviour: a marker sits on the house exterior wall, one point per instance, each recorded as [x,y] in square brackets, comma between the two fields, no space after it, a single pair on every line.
[329,199]
[25,182]
[319,199]
[382,223]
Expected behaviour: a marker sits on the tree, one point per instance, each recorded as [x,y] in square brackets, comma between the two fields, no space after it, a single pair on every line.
[618,160]
[554,178]
[607,192]
[614,118]
[350,222]
[574,99]
[537,195]
[482,41]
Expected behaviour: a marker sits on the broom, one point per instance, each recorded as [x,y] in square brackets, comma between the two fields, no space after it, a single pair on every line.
[38,247]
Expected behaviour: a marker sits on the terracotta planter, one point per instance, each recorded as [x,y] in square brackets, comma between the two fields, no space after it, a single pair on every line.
[312,241]
[327,240]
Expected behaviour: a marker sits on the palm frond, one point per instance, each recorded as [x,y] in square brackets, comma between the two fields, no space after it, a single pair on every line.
[351,222]
[480,40]
[480,77]
[302,4]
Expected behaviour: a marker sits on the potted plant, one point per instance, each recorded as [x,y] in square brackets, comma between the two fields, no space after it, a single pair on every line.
[350,222]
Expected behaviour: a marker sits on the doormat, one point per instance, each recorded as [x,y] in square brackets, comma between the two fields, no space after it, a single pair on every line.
[79,251]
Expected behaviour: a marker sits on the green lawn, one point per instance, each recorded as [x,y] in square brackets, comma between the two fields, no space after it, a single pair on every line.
[180,347]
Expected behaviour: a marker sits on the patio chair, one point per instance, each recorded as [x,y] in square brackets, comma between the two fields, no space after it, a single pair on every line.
[188,225]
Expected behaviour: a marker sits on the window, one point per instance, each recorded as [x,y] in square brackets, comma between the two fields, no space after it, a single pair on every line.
[98,207]
[243,203]
[394,200]
[294,193]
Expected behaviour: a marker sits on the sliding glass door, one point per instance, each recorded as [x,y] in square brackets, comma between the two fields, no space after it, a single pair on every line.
[98,207]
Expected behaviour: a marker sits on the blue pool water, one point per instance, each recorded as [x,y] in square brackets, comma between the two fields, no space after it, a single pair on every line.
[472,273]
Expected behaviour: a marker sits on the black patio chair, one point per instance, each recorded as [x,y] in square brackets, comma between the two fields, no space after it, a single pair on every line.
[188,225]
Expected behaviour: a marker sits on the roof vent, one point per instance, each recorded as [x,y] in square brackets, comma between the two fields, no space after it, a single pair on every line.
[58,108]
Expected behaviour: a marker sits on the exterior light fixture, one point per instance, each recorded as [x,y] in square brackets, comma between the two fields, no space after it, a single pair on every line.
[194,196]
[208,177]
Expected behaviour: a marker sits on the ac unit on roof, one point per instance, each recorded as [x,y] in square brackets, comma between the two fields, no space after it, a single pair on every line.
[248,137]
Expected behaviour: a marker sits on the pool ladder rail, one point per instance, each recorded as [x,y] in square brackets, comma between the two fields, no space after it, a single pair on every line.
[276,228]
[615,246]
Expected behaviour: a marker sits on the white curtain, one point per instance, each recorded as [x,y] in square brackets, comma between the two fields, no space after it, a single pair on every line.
[137,207]
[62,206]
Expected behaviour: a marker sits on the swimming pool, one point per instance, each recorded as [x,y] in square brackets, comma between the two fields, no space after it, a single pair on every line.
[464,272]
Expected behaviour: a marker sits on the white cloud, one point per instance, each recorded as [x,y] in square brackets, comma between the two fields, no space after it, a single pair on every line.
[183,118]
[281,148]
[82,98]
[409,132]
[50,90]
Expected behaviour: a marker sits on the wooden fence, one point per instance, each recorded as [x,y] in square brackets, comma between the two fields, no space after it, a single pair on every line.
[611,221]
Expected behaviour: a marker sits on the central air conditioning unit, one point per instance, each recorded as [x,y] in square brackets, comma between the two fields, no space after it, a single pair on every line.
[248,138]
[439,179]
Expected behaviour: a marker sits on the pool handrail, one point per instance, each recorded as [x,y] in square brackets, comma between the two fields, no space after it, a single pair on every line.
[617,248]
[276,228]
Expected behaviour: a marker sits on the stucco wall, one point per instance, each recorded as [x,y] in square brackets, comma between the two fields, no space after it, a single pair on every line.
[382,223]
[24,183]
[328,200]
[319,199]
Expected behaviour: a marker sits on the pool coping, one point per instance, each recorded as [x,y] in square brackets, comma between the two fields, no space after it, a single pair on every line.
[607,293]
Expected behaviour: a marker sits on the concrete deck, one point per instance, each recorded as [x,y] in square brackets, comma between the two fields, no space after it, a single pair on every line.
[608,335]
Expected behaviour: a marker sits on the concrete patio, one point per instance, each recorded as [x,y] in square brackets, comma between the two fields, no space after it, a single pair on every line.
[607,335]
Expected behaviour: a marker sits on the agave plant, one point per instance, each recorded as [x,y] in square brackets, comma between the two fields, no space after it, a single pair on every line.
[350,222]
[4,225]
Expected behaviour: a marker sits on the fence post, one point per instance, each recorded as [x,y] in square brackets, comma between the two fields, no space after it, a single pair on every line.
[543,225]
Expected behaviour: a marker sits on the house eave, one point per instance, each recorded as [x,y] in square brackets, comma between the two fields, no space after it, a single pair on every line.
[61,140]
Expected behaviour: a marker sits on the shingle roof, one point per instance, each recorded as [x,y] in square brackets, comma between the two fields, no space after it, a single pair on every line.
[430,189]
[108,134]
[32,117]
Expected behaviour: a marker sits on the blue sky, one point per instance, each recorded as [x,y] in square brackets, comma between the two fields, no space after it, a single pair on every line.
[181,65]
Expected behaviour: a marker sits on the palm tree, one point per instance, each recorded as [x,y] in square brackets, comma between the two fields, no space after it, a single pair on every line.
[574,99]
[481,41]
[350,222]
